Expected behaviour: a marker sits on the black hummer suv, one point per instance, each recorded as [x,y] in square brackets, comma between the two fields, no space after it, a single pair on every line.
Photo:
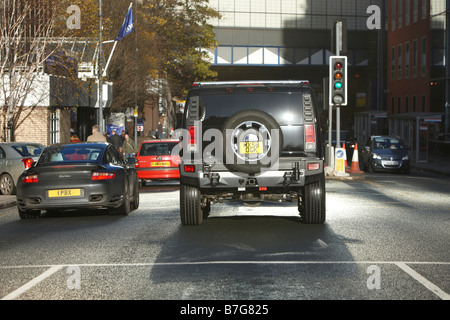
[253,142]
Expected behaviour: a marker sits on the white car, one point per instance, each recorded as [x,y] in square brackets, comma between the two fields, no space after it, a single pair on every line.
[14,159]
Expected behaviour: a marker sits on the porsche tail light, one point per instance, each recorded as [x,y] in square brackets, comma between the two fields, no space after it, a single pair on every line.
[27,162]
[102,175]
[32,178]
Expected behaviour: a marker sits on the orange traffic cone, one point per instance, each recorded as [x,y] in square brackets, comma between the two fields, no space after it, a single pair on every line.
[345,156]
[355,161]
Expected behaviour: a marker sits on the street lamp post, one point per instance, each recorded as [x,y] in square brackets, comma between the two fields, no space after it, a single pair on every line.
[100,72]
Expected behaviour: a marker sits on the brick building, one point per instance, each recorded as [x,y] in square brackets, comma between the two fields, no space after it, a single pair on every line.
[416,32]
[408,56]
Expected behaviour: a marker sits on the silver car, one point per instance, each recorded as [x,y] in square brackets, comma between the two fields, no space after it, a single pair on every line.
[14,159]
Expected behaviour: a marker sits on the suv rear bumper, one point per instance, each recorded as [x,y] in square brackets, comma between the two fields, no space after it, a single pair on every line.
[217,178]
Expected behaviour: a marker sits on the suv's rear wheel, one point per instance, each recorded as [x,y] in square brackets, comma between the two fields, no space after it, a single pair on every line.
[252,140]
[191,213]
[312,207]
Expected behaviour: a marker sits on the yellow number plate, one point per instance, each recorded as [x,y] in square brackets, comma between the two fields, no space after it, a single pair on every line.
[64,193]
[251,147]
[160,164]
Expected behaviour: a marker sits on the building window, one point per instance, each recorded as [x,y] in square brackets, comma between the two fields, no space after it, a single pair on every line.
[393,15]
[423,55]
[407,58]
[407,12]
[54,126]
[406,103]
[393,63]
[399,62]
[415,10]
[392,105]
[414,103]
[414,59]
[400,14]
[399,104]
[424,9]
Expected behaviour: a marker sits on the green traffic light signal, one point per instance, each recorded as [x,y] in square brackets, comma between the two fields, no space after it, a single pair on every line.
[338,81]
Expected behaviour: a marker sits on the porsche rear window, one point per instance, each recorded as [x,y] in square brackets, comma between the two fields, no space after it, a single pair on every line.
[69,154]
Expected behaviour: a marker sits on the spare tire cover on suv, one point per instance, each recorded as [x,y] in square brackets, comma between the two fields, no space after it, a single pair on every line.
[252,140]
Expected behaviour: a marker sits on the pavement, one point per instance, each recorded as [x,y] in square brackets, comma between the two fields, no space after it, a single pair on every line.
[437,164]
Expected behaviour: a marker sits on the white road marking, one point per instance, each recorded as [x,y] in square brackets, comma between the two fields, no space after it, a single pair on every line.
[32,283]
[54,268]
[429,285]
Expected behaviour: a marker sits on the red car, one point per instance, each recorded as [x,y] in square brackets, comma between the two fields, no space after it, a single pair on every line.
[156,162]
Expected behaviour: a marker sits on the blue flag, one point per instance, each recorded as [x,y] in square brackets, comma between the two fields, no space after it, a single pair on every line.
[127,26]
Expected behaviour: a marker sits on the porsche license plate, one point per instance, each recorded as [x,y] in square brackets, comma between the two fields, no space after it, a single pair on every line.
[251,147]
[160,164]
[62,193]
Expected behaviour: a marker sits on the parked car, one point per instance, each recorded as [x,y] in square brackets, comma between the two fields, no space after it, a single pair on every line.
[385,153]
[15,157]
[75,176]
[156,162]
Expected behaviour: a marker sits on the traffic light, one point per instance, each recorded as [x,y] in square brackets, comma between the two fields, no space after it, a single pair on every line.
[338,81]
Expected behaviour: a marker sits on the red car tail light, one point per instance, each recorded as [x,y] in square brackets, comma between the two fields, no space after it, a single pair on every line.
[33,178]
[27,162]
[102,175]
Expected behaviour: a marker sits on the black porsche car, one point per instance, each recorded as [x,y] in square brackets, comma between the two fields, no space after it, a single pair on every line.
[76,176]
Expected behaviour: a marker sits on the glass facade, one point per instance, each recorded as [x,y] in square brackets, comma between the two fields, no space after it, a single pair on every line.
[278,32]
[292,39]
[291,14]
[437,24]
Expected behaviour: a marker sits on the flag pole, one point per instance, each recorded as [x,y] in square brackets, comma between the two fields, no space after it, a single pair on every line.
[109,59]
[114,47]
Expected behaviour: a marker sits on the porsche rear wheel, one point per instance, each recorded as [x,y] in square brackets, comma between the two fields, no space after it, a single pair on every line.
[125,207]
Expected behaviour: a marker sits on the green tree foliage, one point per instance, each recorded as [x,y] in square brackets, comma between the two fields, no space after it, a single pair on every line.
[164,46]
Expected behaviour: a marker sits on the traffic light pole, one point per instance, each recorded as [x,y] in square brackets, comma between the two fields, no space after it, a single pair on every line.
[338,34]
[338,109]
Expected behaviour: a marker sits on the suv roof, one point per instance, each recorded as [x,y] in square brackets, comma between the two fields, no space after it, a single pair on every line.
[251,83]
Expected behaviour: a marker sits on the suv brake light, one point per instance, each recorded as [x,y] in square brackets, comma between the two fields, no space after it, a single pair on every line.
[193,137]
[310,137]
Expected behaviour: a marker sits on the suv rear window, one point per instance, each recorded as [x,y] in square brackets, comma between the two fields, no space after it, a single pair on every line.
[285,108]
